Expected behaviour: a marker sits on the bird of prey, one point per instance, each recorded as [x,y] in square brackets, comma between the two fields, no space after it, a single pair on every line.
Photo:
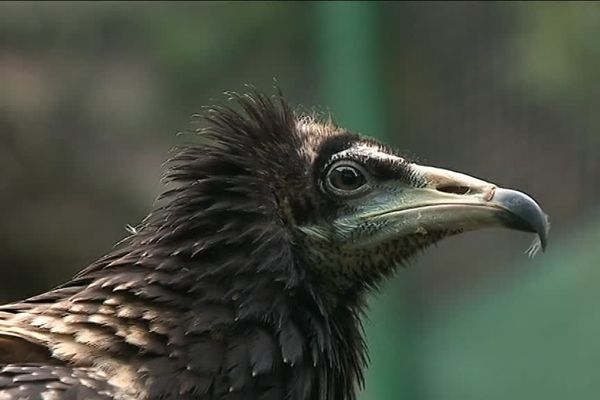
[248,278]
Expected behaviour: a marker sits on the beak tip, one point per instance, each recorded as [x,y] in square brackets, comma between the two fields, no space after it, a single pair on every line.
[524,213]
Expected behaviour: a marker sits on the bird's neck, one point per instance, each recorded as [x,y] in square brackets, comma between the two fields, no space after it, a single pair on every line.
[214,301]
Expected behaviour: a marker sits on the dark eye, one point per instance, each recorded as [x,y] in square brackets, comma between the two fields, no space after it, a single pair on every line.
[346,178]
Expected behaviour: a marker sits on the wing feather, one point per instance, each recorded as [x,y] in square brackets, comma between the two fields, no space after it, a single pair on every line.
[52,382]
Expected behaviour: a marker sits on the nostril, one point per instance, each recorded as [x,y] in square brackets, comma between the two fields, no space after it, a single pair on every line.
[454,189]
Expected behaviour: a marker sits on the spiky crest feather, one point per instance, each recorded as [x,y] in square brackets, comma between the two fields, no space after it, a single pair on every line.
[208,298]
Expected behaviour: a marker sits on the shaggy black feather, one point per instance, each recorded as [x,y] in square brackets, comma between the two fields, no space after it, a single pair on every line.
[211,297]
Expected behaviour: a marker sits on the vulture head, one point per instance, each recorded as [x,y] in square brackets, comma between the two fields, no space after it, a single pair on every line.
[340,210]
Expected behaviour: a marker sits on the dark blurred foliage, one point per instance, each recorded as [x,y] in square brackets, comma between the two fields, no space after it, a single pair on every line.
[92,95]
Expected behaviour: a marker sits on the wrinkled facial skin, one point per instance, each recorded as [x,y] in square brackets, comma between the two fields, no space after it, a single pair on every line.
[354,229]
[378,210]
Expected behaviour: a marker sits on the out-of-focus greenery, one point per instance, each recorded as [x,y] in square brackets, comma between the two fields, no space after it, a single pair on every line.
[92,94]
[534,338]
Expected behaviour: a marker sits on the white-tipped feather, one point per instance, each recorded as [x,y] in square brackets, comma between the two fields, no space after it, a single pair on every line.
[534,247]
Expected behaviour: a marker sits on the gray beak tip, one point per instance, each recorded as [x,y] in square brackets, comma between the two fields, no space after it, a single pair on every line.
[523,213]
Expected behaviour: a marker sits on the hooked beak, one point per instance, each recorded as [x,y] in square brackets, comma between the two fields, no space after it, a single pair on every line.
[457,202]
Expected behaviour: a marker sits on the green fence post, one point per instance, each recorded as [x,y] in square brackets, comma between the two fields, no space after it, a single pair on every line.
[351,81]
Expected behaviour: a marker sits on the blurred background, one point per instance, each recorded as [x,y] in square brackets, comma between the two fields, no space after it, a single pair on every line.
[92,95]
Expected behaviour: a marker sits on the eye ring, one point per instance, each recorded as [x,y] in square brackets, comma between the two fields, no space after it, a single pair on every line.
[346,178]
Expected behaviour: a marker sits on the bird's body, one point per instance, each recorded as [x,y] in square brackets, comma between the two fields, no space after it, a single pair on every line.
[249,278]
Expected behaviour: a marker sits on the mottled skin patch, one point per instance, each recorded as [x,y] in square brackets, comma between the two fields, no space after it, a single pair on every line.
[338,269]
